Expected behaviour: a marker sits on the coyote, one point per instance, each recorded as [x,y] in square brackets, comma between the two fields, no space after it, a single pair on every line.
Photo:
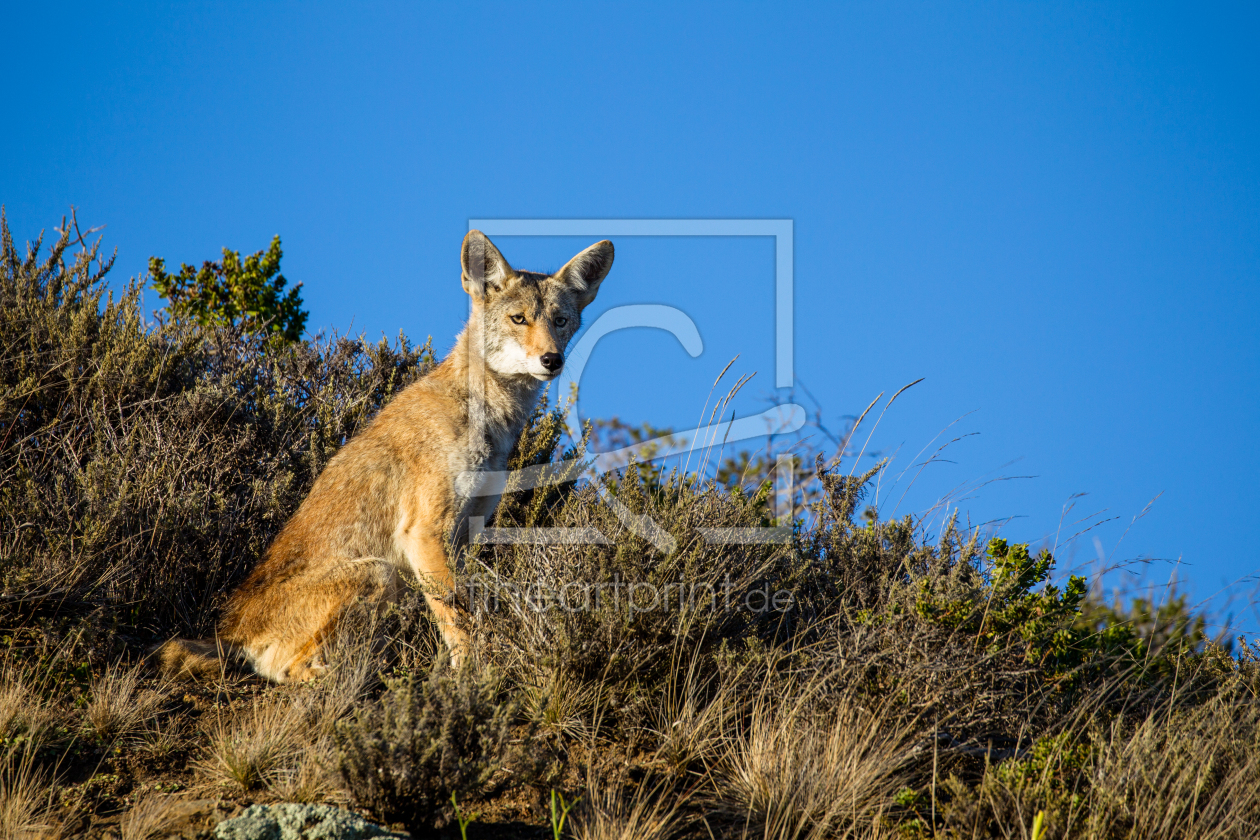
[387,503]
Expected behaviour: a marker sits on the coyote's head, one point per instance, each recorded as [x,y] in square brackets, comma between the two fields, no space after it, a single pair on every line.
[529,318]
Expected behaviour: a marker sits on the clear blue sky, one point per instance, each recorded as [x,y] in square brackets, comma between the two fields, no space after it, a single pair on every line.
[1051,212]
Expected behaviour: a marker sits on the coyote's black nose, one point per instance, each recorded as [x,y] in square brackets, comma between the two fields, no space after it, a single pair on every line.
[552,361]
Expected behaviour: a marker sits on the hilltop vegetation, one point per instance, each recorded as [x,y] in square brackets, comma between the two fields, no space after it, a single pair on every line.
[856,680]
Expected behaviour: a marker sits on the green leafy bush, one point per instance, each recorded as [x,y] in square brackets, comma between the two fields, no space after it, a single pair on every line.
[247,294]
[1043,622]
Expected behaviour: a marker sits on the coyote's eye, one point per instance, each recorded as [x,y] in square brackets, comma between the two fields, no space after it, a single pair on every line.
[561,321]
[518,319]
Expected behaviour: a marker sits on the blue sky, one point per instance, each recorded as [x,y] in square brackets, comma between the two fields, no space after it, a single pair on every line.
[1047,211]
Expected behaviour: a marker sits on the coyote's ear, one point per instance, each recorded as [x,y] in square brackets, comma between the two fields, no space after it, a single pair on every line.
[587,270]
[484,267]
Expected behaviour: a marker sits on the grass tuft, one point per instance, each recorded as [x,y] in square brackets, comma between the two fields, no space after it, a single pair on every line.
[119,707]
[258,747]
[24,713]
[26,798]
[148,818]
[610,813]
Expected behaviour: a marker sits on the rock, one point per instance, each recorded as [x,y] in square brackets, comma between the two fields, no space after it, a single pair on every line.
[291,821]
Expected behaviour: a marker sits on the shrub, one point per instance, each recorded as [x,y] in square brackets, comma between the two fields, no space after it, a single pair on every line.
[147,466]
[430,737]
[248,295]
[614,613]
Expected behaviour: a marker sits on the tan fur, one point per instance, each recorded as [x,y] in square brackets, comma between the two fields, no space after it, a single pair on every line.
[386,505]
[189,659]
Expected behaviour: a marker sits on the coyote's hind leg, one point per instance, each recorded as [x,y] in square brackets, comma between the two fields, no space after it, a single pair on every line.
[292,646]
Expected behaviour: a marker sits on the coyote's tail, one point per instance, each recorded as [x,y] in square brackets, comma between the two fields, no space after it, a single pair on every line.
[189,658]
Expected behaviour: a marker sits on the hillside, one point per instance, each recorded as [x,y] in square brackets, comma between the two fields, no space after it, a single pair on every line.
[862,678]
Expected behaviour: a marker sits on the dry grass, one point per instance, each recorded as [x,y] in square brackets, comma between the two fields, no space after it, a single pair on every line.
[148,818]
[26,798]
[692,720]
[1199,769]
[355,662]
[309,775]
[162,738]
[24,712]
[282,741]
[27,793]
[259,746]
[795,770]
[609,813]
[119,707]
[561,705]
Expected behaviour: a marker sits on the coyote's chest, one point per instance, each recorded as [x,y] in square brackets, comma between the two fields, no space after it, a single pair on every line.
[478,455]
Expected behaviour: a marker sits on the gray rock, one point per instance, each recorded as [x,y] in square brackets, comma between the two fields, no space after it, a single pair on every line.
[291,821]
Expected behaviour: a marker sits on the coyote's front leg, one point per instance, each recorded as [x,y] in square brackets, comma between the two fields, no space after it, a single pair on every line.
[426,554]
